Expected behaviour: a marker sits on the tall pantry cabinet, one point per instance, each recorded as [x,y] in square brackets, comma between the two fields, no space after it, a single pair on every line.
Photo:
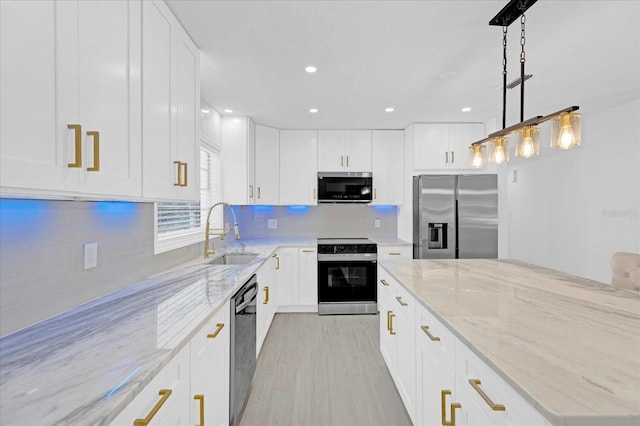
[70,104]
[99,100]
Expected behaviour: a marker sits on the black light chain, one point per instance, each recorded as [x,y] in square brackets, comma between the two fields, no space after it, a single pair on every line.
[523,19]
[504,76]
[522,61]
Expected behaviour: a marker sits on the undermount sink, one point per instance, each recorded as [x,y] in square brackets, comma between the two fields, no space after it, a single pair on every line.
[233,259]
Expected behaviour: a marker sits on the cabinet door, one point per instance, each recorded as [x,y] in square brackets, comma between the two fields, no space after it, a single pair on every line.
[109,58]
[298,167]
[287,278]
[308,279]
[266,301]
[331,156]
[237,159]
[267,160]
[388,166]
[357,150]
[210,371]
[431,146]
[32,156]
[461,136]
[388,339]
[404,324]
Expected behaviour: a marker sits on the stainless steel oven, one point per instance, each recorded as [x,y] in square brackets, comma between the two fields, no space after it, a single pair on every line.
[347,271]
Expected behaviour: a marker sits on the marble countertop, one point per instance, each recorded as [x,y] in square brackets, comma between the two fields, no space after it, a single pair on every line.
[570,346]
[86,364]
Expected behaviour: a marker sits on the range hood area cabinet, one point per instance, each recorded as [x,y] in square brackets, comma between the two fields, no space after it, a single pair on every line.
[443,146]
[96,135]
[344,150]
[74,42]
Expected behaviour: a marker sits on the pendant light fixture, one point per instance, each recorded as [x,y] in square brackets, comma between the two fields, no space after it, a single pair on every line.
[565,126]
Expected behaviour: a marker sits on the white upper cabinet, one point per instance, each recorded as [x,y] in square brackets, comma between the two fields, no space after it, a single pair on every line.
[388,166]
[267,165]
[344,150]
[74,69]
[171,96]
[440,146]
[238,160]
[298,167]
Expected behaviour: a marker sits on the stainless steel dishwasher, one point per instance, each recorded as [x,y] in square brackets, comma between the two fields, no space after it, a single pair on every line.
[243,347]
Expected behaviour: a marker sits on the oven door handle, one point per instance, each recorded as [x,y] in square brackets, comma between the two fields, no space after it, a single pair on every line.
[356,257]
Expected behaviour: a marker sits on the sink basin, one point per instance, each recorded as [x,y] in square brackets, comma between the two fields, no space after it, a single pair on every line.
[233,259]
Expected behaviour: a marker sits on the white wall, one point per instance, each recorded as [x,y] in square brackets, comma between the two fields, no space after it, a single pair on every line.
[571,210]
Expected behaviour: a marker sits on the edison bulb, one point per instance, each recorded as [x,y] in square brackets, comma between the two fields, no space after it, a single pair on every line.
[499,154]
[566,138]
[527,147]
[477,161]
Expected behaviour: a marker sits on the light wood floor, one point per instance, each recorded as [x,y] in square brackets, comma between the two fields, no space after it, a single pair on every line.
[325,371]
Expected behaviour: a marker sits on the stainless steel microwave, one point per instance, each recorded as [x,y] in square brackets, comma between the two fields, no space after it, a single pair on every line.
[345,187]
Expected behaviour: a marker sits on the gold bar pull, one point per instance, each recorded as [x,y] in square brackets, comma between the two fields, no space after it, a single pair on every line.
[475,383]
[446,157]
[453,157]
[347,161]
[266,294]
[391,315]
[78,144]
[375,193]
[453,405]
[388,321]
[425,328]
[314,193]
[277,260]
[201,399]
[250,191]
[394,253]
[308,251]
[384,283]
[215,333]
[341,161]
[179,183]
[399,299]
[258,192]
[96,151]
[185,173]
[165,394]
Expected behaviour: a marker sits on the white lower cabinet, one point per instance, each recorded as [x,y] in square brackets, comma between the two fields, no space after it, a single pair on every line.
[297,279]
[395,252]
[266,304]
[397,340]
[210,371]
[165,400]
[287,276]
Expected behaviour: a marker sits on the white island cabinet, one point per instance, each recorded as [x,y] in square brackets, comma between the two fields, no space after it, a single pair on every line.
[73,68]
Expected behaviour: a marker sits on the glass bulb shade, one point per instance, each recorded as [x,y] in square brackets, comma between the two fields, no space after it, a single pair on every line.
[478,156]
[499,150]
[528,142]
[566,130]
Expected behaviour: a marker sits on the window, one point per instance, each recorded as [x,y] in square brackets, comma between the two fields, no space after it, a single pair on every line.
[179,224]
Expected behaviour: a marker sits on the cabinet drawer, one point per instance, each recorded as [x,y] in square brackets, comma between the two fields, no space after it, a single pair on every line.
[395,252]
[175,377]
[517,412]
[442,341]
[211,332]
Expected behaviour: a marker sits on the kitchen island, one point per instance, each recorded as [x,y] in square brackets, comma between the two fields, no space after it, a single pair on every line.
[569,346]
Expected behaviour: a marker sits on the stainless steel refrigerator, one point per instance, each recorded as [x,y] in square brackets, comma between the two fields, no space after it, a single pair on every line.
[455,216]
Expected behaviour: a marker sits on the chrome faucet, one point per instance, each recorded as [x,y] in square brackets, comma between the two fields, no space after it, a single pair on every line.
[219,232]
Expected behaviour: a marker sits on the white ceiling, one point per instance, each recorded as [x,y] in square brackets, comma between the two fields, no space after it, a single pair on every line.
[374,54]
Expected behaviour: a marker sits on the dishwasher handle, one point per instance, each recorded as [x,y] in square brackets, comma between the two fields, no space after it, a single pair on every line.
[246,296]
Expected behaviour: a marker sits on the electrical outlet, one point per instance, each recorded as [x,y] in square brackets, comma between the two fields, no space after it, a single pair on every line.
[377,223]
[272,224]
[90,259]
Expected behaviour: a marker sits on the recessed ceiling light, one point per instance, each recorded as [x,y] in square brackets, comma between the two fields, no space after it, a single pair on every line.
[228,111]
[313,110]
[466,109]
[205,111]
[311,69]
[390,109]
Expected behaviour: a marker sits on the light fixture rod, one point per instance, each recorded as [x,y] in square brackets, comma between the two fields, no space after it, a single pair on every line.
[511,12]
[550,116]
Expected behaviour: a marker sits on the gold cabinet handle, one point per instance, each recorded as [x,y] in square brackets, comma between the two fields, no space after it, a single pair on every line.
[375,193]
[454,405]
[266,294]
[308,251]
[425,328]
[384,283]
[399,299]
[390,315]
[342,161]
[250,191]
[258,192]
[314,193]
[446,157]
[77,129]
[96,151]
[394,253]
[347,161]
[277,260]
[475,383]
[200,398]
[165,394]
[185,173]
[215,333]
[388,320]
[453,157]
[179,183]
